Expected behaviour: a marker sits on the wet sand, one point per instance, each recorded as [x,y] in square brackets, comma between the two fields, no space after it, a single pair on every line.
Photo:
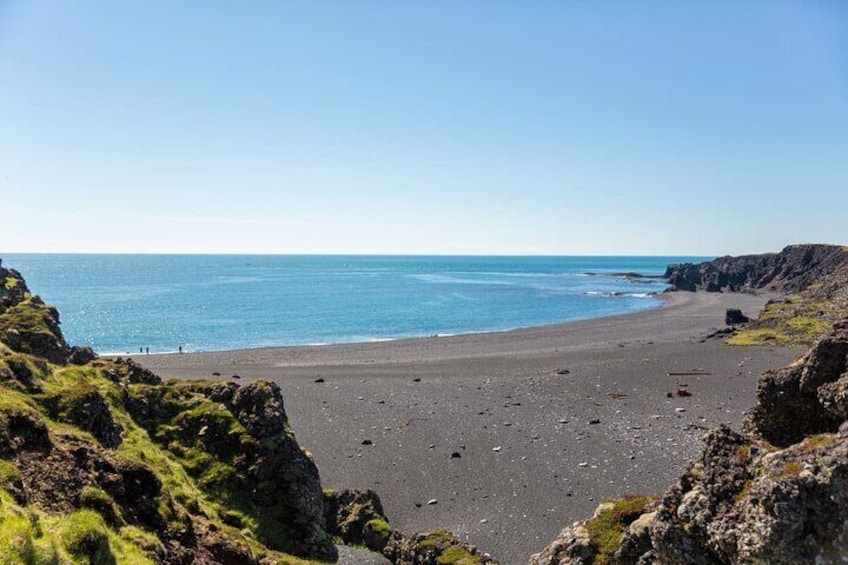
[514,434]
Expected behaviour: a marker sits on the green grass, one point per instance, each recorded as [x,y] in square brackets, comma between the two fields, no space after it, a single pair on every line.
[606,529]
[194,480]
[799,321]
[816,441]
[10,477]
[457,555]
[380,527]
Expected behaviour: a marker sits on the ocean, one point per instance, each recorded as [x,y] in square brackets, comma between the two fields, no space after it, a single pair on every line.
[120,303]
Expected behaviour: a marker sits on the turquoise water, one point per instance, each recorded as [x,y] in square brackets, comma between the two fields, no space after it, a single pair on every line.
[119,303]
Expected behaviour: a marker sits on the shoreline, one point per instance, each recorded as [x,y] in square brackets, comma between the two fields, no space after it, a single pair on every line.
[664,298]
[547,420]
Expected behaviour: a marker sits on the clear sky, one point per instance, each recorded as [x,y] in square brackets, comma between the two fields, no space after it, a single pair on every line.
[492,126]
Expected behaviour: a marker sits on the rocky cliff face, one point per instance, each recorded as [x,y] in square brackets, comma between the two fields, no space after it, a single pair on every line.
[28,325]
[794,269]
[777,494]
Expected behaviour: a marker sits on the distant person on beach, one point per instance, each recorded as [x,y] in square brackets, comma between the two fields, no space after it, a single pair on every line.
[147,350]
[181,349]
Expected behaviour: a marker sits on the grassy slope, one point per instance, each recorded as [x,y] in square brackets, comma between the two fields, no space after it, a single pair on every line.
[31,534]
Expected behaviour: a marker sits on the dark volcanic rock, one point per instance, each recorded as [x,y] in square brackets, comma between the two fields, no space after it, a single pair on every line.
[735,316]
[793,269]
[437,547]
[347,512]
[805,398]
[255,458]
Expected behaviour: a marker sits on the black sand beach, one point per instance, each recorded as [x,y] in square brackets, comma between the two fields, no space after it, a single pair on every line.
[516,434]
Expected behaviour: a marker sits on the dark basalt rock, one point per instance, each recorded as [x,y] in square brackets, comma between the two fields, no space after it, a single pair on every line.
[805,398]
[437,547]
[735,316]
[347,512]
[792,270]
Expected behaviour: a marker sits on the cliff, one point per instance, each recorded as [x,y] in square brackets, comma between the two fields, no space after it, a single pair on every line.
[102,462]
[813,280]
[794,269]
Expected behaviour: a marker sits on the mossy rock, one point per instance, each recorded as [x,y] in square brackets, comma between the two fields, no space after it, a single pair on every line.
[84,406]
[12,482]
[22,427]
[611,521]
[32,327]
[84,535]
[97,499]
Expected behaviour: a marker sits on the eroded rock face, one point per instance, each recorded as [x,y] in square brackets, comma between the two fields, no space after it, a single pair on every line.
[793,269]
[256,462]
[742,501]
[438,547]
[28,325]
[347,512]
[808,397]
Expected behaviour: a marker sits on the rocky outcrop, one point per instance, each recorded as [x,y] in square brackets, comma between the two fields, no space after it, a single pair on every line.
[792,270]
[28,325]
[777,494]
[250,457]
[438,547]
[806,398]
[356,517]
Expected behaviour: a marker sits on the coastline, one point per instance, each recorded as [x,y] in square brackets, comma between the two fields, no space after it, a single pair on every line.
[531,392]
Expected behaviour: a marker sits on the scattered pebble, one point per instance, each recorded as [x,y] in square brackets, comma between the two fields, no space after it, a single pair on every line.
[678,410]
[236,376]
[594,421]
[432,501]
[455,455]
[367,442]
[216,374]
[583,464]
[319,380]
[497,449]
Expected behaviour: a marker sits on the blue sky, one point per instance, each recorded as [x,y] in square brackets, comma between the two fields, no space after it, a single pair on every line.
[423,127]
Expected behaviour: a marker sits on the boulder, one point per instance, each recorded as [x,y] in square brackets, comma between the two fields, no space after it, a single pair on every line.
[357,517]
[437,547]
[807,397]
[735,316]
